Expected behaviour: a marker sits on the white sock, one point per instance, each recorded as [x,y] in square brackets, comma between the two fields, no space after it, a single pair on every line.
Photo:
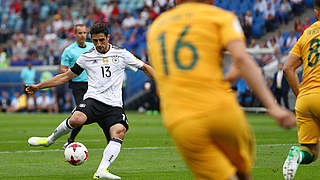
[110,153]
[62,129]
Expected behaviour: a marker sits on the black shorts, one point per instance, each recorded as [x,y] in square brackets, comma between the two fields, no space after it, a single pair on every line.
[103,114]
[78,90]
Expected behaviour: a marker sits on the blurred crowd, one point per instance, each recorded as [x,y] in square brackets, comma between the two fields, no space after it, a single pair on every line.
[260,16]
[44,101]
[41,102]
[273,14]
[39,30]
[282,42]
[50,100]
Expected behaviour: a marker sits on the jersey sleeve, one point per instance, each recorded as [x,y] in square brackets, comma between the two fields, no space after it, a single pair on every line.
[65,58]
[131,62]
[296,50]
[81,61]
[230,29]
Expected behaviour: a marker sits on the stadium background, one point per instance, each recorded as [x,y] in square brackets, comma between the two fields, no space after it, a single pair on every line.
[37,31]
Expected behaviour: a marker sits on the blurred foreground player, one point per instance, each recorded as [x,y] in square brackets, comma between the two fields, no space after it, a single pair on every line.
[203,118]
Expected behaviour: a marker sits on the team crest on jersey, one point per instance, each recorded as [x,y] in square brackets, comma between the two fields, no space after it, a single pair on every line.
[115,59]
[105,60]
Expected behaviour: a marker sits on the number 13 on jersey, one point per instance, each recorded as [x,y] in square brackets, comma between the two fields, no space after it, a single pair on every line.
[179,45]
[105,71]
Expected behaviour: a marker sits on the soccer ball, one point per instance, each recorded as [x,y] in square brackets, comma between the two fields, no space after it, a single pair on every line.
[76,153]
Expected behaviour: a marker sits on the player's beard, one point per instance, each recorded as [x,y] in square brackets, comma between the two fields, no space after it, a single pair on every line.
[102,49]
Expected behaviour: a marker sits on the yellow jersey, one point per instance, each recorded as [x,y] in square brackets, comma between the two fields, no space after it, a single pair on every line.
[307,49]
[185,47]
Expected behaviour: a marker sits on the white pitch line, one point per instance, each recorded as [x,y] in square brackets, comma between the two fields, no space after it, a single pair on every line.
[103,140]
[128,148]
[90,149]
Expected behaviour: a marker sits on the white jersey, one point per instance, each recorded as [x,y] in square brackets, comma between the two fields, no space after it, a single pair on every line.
[106,73]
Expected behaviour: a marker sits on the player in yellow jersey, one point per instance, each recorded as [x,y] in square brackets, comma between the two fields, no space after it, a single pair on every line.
[306,53]
[204,119]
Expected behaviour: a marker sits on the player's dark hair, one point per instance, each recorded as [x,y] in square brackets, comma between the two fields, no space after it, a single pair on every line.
[76,26]
[98,28]
[317,4]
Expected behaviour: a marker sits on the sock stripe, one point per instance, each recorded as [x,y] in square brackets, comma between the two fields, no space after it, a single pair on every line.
[116,140]
[68,124]
[300,157]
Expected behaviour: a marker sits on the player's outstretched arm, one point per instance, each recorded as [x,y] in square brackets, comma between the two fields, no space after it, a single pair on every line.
[63,69]
[148,70]
[289,70]
[53,82]
[250,71]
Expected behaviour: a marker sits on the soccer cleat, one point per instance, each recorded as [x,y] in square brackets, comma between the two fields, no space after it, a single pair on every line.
[105,174]
[66,144]
[292,162]
[39,141]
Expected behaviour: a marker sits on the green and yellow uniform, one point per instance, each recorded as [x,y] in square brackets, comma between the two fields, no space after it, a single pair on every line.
[185,48]
[307,104]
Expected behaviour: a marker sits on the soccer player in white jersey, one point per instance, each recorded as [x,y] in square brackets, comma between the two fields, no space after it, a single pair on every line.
[102,104]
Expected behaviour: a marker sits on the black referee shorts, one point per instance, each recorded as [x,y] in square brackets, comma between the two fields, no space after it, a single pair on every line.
[103,114]
[78,90]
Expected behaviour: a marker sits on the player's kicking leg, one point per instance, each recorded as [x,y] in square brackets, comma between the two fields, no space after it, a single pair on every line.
[62,129]
[76,120]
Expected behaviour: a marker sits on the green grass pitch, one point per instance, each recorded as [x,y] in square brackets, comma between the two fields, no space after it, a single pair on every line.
[147,152]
